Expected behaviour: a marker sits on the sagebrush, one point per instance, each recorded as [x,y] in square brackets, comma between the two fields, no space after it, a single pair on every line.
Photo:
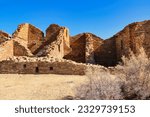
[130,80]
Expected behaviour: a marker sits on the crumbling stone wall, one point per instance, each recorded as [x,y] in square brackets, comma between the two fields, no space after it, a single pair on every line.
[51,32]
[19,50]
[35,38]
[22,32]
[146,34]
[56,43]
[106,53]
[31,34]
[6,50]
[89,50]
[132,38]
[28,40]
[56,48]
[4,37]
[84,46]
[77,45]
[43,65]
[4,34]
[66,41]
[38,66]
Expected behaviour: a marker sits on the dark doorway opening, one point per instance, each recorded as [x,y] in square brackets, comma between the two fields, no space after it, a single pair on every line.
[24,66]
[59,48]
[37,70]
[121,45]
[50,68]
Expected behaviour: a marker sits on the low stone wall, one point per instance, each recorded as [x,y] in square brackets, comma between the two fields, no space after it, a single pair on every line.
[41,67]
[26,65]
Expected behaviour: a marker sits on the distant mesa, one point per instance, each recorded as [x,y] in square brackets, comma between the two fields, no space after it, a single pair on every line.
[29,41]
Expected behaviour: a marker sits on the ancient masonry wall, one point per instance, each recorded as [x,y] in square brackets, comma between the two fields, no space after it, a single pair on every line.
[6,50]
[89,50]
[25,65]
[22,32]
[51,32]
[56,43]
[32,35]
[41,68]
[106,53]
[66,41]
[19,50]
[84,47]
[54,47]
[35,38]
[3,34]
[77,45]
[20,46]
[28,40]
[132,38]
[144,33]
[4,37]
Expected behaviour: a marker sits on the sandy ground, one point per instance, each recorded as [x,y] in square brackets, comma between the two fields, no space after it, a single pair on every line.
[38,87]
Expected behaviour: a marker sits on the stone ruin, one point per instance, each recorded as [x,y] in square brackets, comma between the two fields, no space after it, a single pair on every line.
[27,50]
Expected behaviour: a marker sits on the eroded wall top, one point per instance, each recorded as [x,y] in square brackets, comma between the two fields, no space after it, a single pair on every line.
[4,36]
[85,48]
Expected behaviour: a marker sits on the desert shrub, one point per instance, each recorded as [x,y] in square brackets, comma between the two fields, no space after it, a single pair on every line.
[100,85]
[130,80]
[136,75]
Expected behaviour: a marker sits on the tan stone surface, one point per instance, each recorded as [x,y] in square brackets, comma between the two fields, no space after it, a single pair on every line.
[22,32]
[32,35]
[84,46]
[132,37]
[4,36]
[6,50]
[35,38]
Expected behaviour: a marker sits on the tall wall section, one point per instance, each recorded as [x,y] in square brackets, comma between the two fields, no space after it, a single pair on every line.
[106,53]
[132,38]
[84,47]
[56,48]
[35,38]
[78,45]
[145,33]
[89,50]
[22,32]
[20,50]
[32,35]
[56,43]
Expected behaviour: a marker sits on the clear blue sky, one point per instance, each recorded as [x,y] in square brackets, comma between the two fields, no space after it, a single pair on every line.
[101,17]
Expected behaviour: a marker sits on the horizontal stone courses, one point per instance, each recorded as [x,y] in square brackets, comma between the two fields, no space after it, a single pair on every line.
[58,52]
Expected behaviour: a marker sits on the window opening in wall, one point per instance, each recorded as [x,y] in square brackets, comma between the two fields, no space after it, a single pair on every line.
[66,34]
[50,68]
[59,48]
[37,69]
[121,45]
[24,66]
